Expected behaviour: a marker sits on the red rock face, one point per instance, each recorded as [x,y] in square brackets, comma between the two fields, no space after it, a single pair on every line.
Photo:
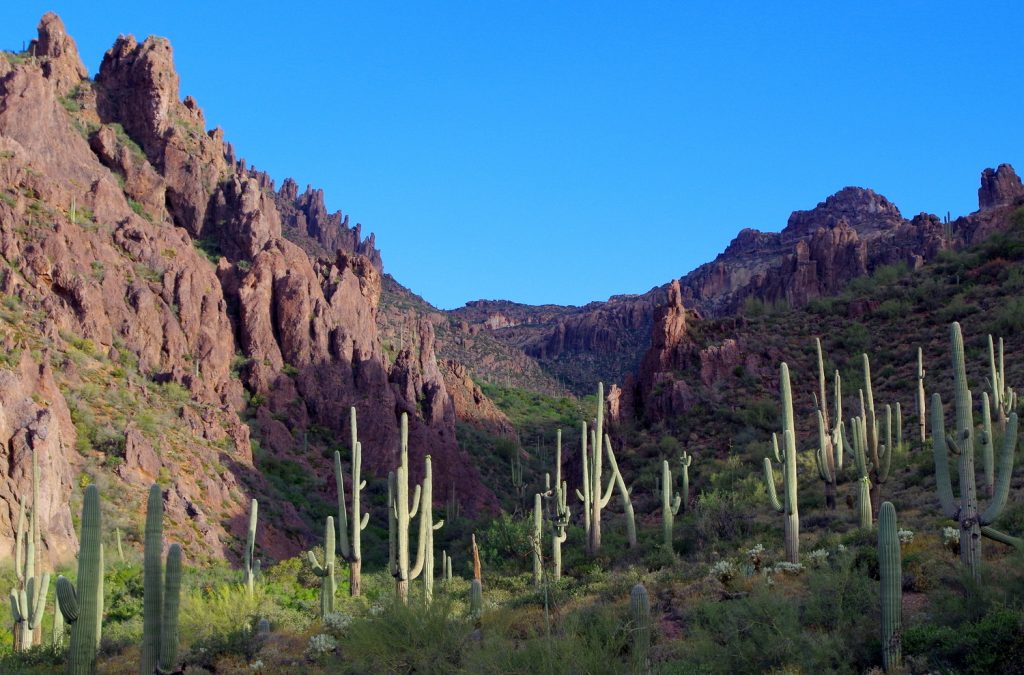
[131,185]
[27,426]
[999,188]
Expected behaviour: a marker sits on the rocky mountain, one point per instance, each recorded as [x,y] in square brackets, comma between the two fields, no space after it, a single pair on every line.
[850,235]
[816,254]
[143,259]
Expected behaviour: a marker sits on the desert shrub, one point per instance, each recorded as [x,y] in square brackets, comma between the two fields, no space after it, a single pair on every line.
[855,338]
[720,516]
[1009,318]
[828,627]
[397,638]
[591,640]
[505,544]
[994,643]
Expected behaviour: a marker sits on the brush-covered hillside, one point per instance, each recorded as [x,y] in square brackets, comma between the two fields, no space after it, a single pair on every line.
[232,444]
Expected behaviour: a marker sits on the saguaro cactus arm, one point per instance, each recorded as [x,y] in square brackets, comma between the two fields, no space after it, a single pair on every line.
[1002,487]
[940,449]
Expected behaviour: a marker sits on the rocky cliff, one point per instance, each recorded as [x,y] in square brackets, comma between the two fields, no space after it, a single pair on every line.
[849,235]
[816,254]
[136,243]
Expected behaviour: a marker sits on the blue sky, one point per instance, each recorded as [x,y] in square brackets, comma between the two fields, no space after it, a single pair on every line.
[567,151]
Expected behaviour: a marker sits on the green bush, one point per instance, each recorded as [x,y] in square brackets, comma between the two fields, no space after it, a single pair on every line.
[992,644]
[397,638]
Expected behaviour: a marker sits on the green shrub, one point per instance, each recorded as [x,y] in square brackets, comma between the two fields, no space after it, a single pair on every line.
[398,638]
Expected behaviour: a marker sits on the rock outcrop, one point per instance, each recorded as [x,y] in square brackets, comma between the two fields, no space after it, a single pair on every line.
[132,228]
[999,187]
[34,418]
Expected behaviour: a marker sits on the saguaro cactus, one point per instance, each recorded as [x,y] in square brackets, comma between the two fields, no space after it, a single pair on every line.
[518,484]
[427,529]
[328,585]
[352,552]
[28,598]
[899,428]
[1003,397]
[560,521]
[972,523]
[404,511]
[152,582]
[82,607]
[670,504]
[476,599]
[879,453]
[641,608]
[788,507]
[172,603]
[890,573]
[161,593]
[585,495]
[829,456]
[593,499]
[57,638]
[27,608]
[392,523]
[685,461]
[860,461]
[251,565]
[620,483]
[476,587]
[986,442]
[536,540]
[921,414]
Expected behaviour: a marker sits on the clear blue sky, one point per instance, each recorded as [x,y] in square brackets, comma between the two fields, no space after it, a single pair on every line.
[566,151]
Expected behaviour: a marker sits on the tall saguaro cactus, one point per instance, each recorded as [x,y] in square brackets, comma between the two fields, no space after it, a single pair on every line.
[328,585]
[921,400]
[972,523]
[890,573]
[152,581]
[28,598]
[560,521]
[669,504]
[404,512]
[82,606]
[536,540]
[161,593]
[518,483]
[250,563]
[788,506]
[427,529]
[352,552]
[829,456]
[585,495]
[593,499]
[879,453]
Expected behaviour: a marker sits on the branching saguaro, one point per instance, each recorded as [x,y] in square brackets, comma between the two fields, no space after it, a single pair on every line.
[829,456]
[594,500]
[787,456]
[961,443]
[351,549]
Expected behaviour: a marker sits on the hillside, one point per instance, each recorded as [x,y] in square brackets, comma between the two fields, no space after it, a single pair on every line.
[135,242]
